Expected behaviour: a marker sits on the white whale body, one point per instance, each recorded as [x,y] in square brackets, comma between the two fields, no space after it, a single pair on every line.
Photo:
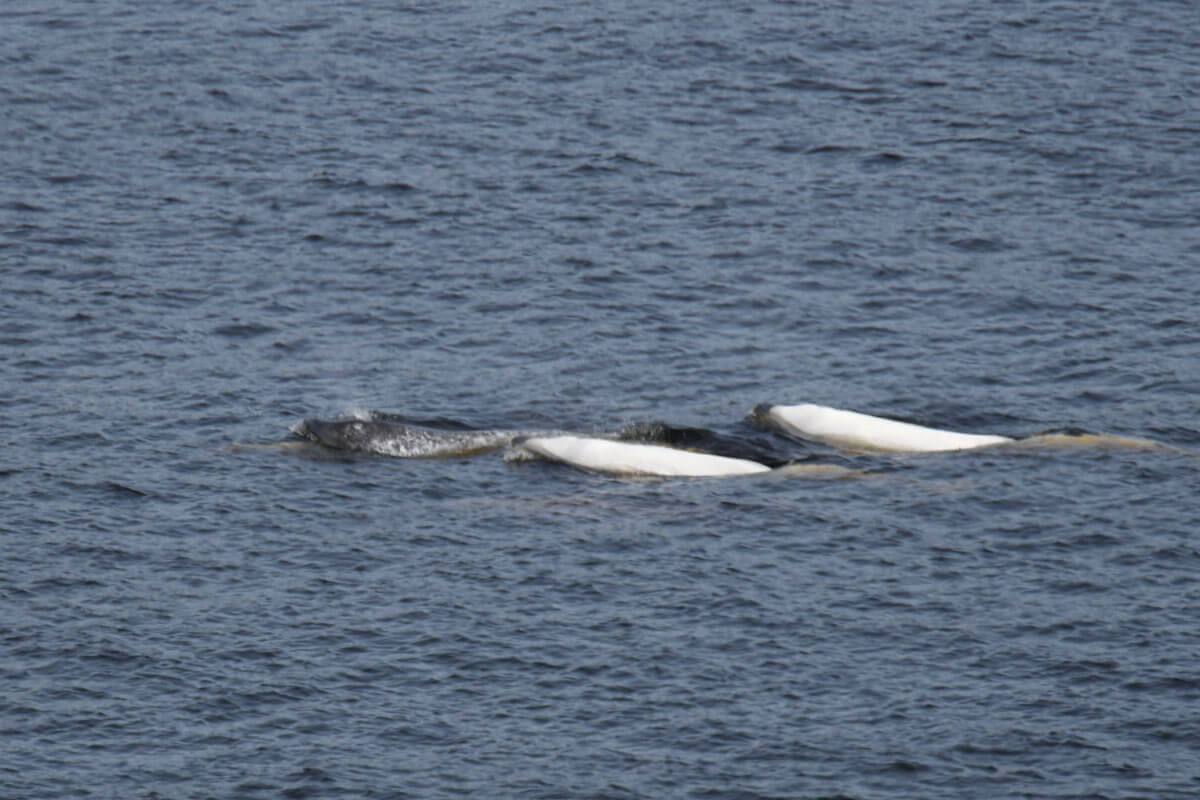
[630,458]
[854,431]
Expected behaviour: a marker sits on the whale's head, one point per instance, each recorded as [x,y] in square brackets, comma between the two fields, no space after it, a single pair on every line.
[761,413]
[340,435]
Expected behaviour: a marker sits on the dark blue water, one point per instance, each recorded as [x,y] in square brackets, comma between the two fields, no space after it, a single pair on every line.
[219,219]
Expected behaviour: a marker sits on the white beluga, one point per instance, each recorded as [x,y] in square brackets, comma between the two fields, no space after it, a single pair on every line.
[632,458]
[852,430]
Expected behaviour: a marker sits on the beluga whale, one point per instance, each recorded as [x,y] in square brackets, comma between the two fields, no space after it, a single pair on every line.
[852,430]
[632,458]
[855,431]
[400,440]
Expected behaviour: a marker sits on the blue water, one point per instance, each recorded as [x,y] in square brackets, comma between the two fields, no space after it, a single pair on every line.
[219,219]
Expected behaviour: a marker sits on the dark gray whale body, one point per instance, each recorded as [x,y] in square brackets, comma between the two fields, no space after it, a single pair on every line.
[400,440]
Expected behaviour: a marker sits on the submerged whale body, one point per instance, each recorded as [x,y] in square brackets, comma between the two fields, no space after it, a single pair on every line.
[398,439]
[750,447]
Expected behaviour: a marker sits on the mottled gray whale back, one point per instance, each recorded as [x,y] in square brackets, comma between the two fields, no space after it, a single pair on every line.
[399,439]
[394,438]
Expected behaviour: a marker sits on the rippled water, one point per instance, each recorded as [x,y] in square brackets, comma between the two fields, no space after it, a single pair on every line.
[218,220]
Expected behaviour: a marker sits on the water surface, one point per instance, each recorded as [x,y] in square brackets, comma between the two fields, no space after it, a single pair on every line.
[219,220]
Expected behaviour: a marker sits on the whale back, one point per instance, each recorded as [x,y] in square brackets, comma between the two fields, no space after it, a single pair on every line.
[855,431]
[399,439]
[633,458]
